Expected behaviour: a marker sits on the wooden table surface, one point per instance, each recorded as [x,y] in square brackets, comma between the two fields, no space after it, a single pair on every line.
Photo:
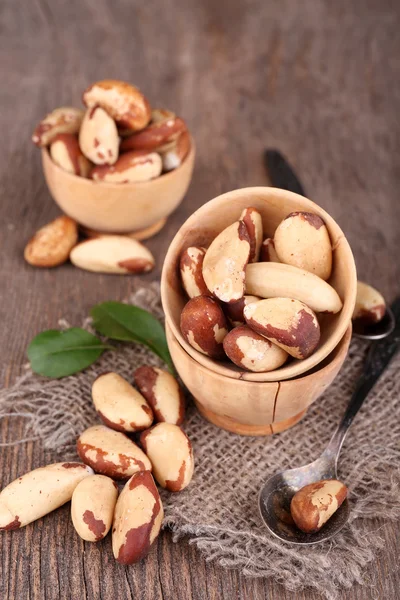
[318,80]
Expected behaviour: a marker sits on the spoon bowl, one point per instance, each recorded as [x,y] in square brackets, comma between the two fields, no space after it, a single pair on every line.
[376,331]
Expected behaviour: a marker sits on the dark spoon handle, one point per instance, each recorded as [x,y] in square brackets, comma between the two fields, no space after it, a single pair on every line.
[281,173]
[379,356]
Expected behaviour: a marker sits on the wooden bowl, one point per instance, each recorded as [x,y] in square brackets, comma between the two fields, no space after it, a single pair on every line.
[118,207]
[274,205]
[249,407]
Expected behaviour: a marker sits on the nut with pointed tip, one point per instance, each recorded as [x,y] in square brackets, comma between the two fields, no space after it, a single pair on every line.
[173,157]
[61,120]
[119,405]
[225,262]
[204,326]
[66,153]
[39,492]
[98,137]
[286,322]
[125,103]
[51,245]
[159,133]
[253,352]
[314,504]
[137,520]
[131,167]
[112,254]
[171,455]
[163,393]
[276,280]
[253,221]
[370,304]
[92,507]
[191,268]
[302,240]
[111,453]
[268,252]
[234,310]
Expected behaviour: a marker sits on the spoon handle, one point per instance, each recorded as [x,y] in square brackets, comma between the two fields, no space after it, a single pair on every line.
[281,173]
[378,357]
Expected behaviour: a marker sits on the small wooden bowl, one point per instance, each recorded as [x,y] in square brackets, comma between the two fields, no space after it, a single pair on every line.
[274,205]
[254,408]
[118,207]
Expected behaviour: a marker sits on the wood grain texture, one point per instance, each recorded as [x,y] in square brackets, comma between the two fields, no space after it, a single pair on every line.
[317,79]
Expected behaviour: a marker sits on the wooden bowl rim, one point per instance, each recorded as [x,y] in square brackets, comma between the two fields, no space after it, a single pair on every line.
[293,369]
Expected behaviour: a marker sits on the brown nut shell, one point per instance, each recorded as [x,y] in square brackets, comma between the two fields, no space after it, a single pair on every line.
[111,453]
[253,221]
[66,153]
[302,240]
[98,137]
[119,405]
[131,167]
[253,352]
[113,254]
[268,252]
[154,135]
[171,455]
[92,507]
[204,326]
[51,245]
[66,119]
[125,103]
[314,504]
[286,322]
[234,310]
[191,268]
[163,393]
[225,262]
[173,157]
[370,305]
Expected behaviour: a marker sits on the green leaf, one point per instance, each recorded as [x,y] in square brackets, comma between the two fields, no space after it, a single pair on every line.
[57,354]
[128,323]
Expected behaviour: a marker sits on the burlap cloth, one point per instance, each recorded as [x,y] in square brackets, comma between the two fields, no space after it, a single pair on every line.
[218,512]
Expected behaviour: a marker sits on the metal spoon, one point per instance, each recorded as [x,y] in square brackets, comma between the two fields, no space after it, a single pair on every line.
[277,492]
[283,176]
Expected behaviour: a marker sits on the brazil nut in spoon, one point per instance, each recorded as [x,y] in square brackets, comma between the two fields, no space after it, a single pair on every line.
[283,176]
[277,492]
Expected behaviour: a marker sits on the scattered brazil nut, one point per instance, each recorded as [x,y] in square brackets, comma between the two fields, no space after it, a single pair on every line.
[253,221]
[154,135]
[204,325]
[162,392]
[302,240]
[276,280]
[61,120]
[111,453]
[51,245]
[253,352]
[39,492]
[112,254]
[234,310]
[370,304]
[171,455]
[66,153]
[286,322]
[98,137]
[191,268]
[92,507]
[125,103]
[119,405]
[173,157]
[268,252]
[314,504]
[131,167]
[225,262]
[137,520]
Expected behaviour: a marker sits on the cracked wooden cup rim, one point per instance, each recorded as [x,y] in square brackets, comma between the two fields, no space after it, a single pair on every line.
[274,205]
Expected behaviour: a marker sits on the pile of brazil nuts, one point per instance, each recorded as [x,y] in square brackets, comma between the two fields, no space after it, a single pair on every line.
[109,454]
[258,314]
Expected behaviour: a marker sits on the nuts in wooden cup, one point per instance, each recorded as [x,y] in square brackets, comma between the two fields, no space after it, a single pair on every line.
[191,268]
[314,504]
[61,120]
[287,323]
[370,304]
[163,393]
[98,137]
[92,507]
[39,492]
[131,167]
[253,221]
[234,310]
[119,405]
[112,254]
[204,325]
[137,520]
[268,252]
[111,453]
[66,153]
[51,245]
[171,455]
[253,352]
